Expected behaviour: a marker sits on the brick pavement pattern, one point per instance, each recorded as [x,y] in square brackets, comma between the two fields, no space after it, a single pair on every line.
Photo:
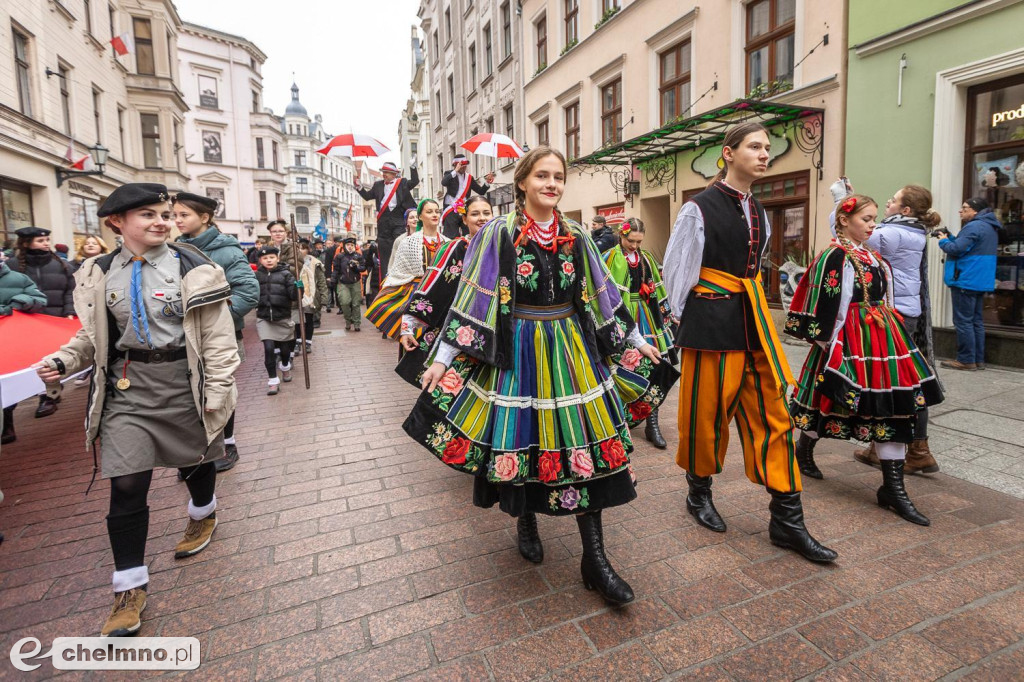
[345,551]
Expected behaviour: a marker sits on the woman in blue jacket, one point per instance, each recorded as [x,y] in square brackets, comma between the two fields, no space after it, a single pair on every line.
[970,274]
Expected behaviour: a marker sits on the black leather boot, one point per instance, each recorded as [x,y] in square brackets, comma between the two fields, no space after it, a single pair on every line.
[893,494]
[699,503]
[529,539]
[653,433]
[786,529]
[47,406]
[597,573]
[8,431]
[805,456]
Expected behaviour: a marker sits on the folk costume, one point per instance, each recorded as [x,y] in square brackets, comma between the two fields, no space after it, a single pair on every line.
[864,377]
[157,327]
[413,256]
[457,187]
[732,363]
[528,405]
[428,307]
[392,199]
[644,295]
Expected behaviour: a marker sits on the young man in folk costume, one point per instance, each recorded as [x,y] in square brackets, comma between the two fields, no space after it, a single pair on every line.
[732,362]
[393,197]
[457,184]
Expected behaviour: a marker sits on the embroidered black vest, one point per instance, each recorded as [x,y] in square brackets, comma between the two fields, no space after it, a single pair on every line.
[723,322]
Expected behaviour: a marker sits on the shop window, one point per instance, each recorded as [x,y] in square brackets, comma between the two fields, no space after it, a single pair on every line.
[144,62]
[15,210]
[771,25]
[785,200]
[84,222]
[674,81]
[995,172]
[611,113]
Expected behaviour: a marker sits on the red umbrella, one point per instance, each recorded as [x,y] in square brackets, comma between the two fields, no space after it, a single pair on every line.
[352,146]
[24,340]
[493,144]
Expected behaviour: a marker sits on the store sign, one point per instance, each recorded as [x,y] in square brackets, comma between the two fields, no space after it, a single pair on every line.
[84,189]
[1008,115]
[613,215]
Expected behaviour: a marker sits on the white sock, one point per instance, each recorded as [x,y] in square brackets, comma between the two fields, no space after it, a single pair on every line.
[130,578]
[199,513]
[229,441]
[273,382]
[286,368]
[891,450]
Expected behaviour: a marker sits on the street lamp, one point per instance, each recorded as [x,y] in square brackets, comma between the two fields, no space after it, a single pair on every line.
[99,155]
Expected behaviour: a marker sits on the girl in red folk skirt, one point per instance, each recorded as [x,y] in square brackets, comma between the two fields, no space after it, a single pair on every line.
[864,377]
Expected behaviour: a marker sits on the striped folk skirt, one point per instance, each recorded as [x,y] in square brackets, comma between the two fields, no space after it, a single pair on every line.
[869,385]
[385,312]
[548,435]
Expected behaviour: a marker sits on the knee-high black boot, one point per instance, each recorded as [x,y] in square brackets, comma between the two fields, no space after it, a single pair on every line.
[597,573]
[786,529]
[805,456]
[529,539]
[653,432]
[893,494]
[699,503]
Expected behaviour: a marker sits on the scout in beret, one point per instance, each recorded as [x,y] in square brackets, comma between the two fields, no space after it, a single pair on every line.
[194,215]
[31,232]
[156,325]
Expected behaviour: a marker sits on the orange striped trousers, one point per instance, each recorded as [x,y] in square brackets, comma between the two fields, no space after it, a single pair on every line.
[715,389]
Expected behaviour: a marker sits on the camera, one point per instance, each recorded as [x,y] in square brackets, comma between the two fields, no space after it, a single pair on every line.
[940,232]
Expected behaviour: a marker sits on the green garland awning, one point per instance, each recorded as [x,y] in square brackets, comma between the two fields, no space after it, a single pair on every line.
[697,131]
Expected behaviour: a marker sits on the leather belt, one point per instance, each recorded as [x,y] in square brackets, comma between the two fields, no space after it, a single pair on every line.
[148,356]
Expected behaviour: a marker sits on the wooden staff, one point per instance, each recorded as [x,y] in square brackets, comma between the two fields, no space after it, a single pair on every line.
[302,313]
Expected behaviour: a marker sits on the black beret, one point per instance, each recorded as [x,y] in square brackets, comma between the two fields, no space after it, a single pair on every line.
[269,250]
[208,202]
[133,195]
[32,232]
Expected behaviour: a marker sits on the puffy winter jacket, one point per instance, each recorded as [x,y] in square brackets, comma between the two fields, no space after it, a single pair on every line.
[347,267]
[18,292]
[277,291]
[52,275]
[901,241]
[225,251]
[971,254]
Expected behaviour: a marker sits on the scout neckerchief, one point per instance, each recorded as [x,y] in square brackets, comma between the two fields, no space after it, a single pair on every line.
[384,205]
[461,197]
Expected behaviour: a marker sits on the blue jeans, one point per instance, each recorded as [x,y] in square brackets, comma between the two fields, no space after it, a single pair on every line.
[970,332]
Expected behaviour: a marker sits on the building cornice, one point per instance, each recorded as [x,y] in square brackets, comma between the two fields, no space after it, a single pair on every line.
[933,24]
[224,37]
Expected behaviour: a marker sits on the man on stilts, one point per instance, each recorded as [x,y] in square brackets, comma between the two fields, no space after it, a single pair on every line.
[393,196]
[457,184]
[732,362]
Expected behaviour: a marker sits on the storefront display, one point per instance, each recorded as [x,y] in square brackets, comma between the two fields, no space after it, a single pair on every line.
[15,210]
[995,172]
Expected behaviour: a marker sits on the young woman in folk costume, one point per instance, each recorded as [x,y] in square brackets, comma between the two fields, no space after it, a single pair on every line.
[413,255]
[636,273]
[864,377]
[520,394]
[429,305]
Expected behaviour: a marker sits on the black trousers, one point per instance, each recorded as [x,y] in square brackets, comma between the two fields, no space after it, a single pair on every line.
[452,226]
[128,520]
[389,228]
[270,358]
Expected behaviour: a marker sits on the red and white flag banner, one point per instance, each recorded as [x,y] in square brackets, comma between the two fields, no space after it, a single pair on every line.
[123,44]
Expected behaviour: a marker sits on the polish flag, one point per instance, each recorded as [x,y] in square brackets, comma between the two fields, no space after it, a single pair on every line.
[122,44]
[84,163]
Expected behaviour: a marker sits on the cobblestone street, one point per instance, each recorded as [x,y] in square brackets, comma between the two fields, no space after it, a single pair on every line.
[345,551]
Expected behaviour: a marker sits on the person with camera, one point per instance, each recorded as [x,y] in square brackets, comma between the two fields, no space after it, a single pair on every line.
[346,278]
[457,184]
[970,274]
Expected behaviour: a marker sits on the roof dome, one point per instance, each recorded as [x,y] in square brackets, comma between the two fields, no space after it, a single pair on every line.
[295,107]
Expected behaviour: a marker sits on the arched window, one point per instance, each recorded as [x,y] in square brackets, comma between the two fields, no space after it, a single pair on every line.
[302,215]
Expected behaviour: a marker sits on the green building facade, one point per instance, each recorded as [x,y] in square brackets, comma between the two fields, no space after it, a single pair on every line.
[935,97]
